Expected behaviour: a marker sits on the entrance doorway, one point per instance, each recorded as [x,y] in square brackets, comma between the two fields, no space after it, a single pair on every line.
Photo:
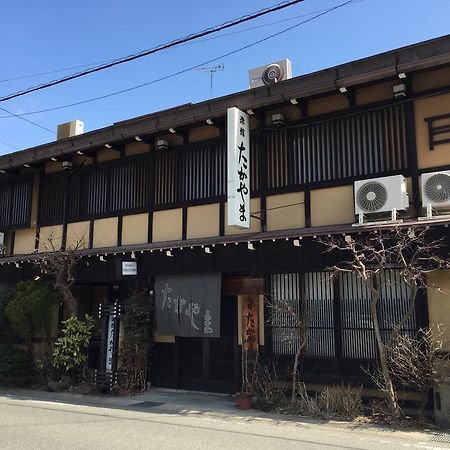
[210,364]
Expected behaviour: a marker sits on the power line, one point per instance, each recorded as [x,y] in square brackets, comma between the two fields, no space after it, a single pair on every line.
[264,25]
[156,49]
[9,145]
[232,33]
[26,120]
[65,69]
[197,66]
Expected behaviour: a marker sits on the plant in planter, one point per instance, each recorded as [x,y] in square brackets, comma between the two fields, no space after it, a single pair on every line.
[69,352]
[244,400]
[266,387]
[137,323]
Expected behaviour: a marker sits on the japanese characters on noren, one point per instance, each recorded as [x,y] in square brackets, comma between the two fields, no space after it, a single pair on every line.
[192,309]
[188,305]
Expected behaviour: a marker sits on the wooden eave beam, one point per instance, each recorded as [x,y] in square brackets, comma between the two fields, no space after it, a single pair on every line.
[429,54]
[242,238]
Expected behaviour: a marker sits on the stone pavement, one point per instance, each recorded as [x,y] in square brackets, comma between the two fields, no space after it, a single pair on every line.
[217,407]
[164,400]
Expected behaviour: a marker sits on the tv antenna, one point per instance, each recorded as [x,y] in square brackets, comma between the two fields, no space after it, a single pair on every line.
[212,70]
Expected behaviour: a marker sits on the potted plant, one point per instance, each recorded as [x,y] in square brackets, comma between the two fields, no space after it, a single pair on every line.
[244,400]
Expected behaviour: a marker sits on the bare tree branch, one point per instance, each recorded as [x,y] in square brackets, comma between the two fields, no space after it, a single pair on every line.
[61,264]
[414,252]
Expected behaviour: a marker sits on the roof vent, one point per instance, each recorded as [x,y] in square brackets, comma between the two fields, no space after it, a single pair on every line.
[70,129]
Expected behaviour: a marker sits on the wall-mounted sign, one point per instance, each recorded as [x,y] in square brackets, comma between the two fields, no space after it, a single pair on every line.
[238,151]
[188,305]
[129,268]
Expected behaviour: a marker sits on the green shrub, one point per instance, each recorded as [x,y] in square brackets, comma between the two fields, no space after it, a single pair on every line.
[30,311]
[6,295]
[70,348]
[16,365]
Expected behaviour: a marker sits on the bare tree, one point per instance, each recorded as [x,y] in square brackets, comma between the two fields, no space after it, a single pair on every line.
[414,252]
[295,337]
[61,263]
[415,360]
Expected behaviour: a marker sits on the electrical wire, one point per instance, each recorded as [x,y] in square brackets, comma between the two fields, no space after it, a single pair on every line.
[156,49]
[232,33]
[9,145]
[180,72]
[65,69]
[26,120]
[274,208]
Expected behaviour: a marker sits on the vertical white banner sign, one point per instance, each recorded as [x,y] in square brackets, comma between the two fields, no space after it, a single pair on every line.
[238,151]
[110,343]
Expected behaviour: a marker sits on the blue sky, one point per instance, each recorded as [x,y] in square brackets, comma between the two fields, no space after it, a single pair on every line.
[50,35]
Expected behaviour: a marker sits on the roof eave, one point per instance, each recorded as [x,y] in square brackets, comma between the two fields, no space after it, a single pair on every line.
[433,53]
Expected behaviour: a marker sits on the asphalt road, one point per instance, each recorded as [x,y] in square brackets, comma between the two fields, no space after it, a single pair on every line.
[35,424]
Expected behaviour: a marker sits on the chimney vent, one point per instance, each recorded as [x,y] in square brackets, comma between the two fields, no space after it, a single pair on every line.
[70,129]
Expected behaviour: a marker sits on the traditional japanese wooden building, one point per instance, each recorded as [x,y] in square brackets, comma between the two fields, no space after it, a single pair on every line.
[146,198]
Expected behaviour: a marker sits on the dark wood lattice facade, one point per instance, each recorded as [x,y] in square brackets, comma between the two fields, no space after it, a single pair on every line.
[131,201]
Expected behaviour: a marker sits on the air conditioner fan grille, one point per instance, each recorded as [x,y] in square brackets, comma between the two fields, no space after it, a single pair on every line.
[372,196]
[272,74]
[437,188]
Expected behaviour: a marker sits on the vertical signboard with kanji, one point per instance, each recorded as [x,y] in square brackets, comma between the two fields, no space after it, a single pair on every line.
[250,334]
[238,150]
[110,343]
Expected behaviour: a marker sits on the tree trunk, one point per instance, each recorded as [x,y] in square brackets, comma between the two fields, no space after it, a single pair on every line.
[63,286]
[295,370]
[387,380]
[70,303]
[294,373]
[300,320]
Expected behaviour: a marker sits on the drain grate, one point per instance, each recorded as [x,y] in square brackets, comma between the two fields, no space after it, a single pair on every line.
[441,437]
[146,404]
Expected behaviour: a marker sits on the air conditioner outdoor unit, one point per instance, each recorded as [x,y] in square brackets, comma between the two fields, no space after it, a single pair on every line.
[436,191]
[378,195]
[270,73]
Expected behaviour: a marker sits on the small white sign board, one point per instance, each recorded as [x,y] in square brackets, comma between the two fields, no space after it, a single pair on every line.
[129,268]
